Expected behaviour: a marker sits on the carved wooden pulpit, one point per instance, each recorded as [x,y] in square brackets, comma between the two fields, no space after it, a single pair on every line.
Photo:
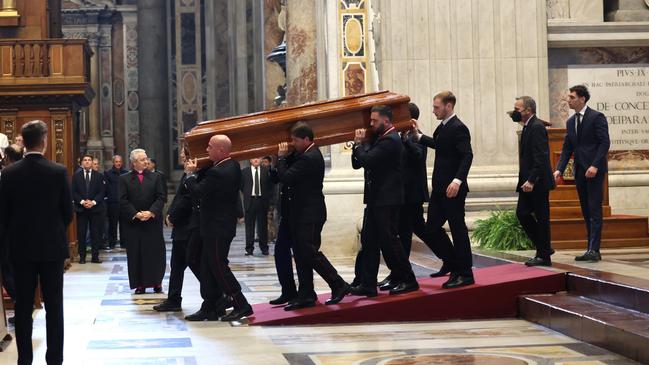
[333,121]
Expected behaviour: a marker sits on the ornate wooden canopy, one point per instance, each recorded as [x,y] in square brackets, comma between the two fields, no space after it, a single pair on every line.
[333,121]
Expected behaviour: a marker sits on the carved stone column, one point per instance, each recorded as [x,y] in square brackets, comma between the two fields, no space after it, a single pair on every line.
[301,48]
[94,145]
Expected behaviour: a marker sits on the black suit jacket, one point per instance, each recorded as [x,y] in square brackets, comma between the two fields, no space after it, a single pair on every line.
[218,192]
[303,177]
[97,191]
[383,171]
[180,213]
[415,179]
[534,157]
[246,186]
[590,145]
[453,154]
[111,177]
[135,196]
[35,210]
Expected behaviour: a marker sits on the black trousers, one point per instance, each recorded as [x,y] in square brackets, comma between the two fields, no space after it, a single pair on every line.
[284,259]
[591,195]
[411,220]
[94,221]
[306,246]
[27,275]
[380,235]
[179,262]
[113,224]
[215,251]
[256,216]
[533,212]
[455,254]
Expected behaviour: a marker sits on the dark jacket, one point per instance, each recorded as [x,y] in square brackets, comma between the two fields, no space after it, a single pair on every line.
[135,196]
[534,157]
[180,213]
[453,154]
[35,210]
[111,177]
[415,178]
[304,176]
[266,186]
[381,160]
[218,192]
[590,145]
[96,192]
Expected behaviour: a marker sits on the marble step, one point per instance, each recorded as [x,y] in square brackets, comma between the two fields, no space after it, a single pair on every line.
[622,291]
[614,328]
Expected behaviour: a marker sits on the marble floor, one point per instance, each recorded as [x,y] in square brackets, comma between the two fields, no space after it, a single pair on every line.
[106,324]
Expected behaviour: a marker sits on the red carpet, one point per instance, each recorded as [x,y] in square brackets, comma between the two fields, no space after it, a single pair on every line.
[494,295]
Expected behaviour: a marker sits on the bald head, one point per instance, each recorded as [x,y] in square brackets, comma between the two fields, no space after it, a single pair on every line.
[219,147]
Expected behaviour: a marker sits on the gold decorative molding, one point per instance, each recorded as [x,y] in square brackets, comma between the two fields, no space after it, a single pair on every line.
[59,139]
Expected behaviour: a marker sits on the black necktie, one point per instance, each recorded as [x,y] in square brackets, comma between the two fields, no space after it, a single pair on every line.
[87,181]
[257,181]
[578,122]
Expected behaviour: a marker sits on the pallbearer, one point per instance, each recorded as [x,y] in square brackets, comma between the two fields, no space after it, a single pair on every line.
[304,214]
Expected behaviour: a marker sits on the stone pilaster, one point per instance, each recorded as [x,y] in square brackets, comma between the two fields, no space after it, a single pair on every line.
[301,57]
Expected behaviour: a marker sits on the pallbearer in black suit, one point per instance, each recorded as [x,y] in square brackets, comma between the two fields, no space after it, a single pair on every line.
[534,180]
[219,195]
[256,188]
[178,217]
[35,211]
[306,213]
[111,176]
[88,192]
[588,141]
[142,198]
[453,156]
[383,195]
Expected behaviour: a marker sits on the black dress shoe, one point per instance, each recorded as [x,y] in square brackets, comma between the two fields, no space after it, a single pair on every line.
[360,290]
[96,260]
[457,281]
[300,303]
[140,291]
[167,306]
[338,294]
[538,261]
[265,253]
[157,289]
[589,256]
[282,299]
[384,281]
[389,285]
[238,313]
[82,260]
[11,320]
[248,253]
[443,271]
[405,287]
[205,315]
[223,303]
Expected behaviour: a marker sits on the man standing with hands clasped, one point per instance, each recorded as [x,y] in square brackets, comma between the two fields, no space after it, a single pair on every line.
[588,141]
[534,180]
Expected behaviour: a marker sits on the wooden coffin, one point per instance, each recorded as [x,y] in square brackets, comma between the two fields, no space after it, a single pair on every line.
[333,121]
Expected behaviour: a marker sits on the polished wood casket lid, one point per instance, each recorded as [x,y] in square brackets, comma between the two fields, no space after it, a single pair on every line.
[333,121]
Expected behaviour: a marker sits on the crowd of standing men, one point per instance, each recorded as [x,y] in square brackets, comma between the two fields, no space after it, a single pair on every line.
[208,205]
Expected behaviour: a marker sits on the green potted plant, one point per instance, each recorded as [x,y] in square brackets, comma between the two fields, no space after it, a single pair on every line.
[501,231]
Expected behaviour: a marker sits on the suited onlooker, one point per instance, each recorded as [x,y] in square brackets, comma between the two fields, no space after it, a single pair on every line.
[381,157]
[88,191]
[534,180]
[587,139]
[453,157]
[256,188]
[218,193]
[35,211]
[111,176]
[153,167]
[142,199]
